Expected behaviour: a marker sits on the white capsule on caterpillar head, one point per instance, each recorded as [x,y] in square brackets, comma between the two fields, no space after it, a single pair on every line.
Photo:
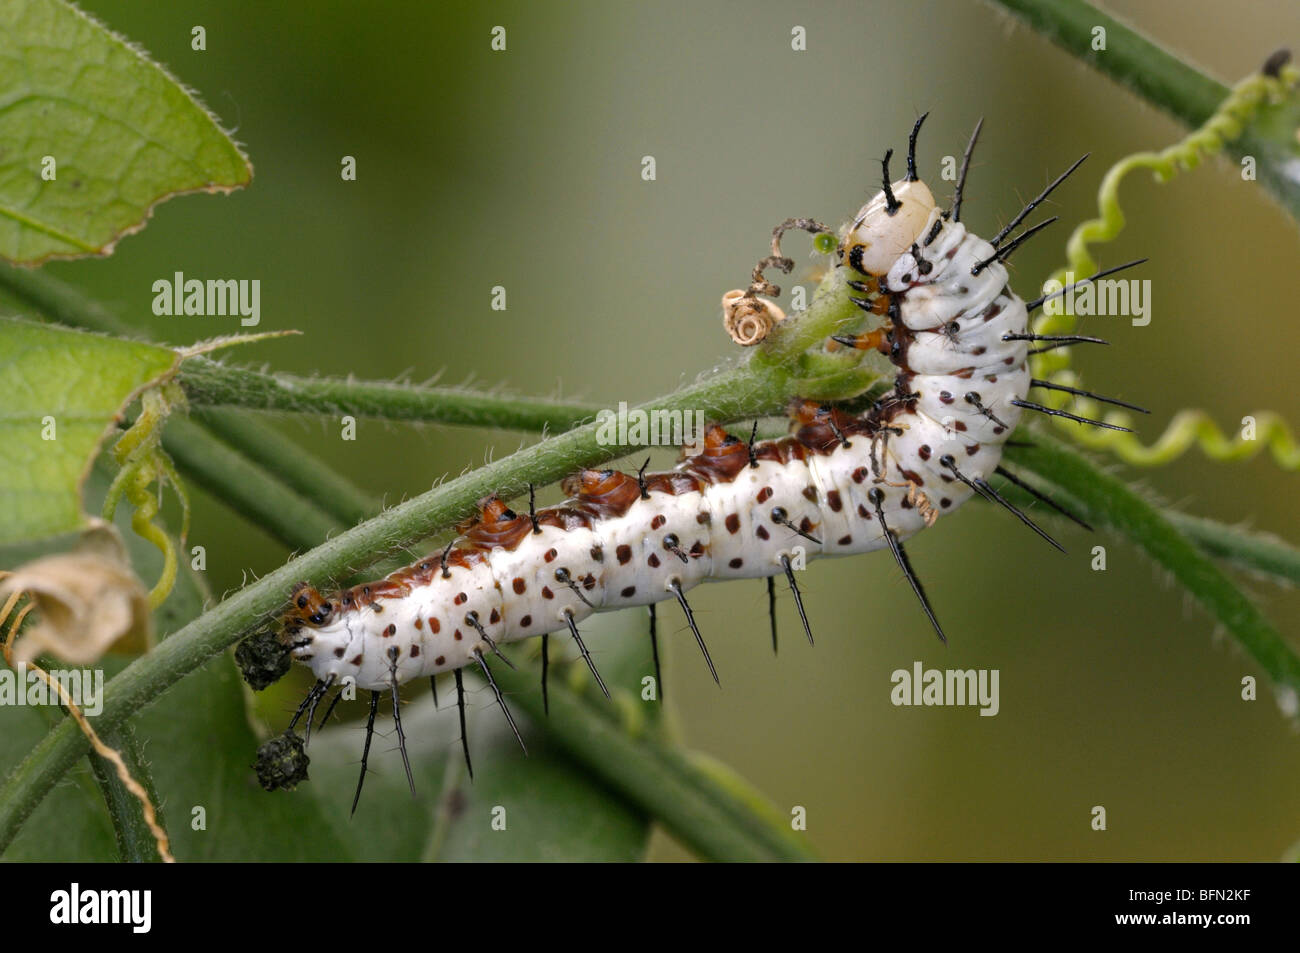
[878,236]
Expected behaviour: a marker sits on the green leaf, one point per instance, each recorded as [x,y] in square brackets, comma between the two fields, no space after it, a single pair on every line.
[201,749]
[68,386]
[204,713]
[122,133]
[72,823]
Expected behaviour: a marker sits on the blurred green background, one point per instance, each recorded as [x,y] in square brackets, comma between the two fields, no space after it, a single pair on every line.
[522,169]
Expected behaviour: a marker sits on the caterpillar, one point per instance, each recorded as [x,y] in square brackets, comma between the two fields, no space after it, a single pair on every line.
[840,484]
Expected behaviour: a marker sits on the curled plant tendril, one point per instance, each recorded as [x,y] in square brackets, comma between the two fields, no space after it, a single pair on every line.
[748,318]
[1189,427]
[143,463]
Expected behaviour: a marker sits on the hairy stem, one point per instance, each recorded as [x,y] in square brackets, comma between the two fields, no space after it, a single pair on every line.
[1247,549]
[135,840]
[301,472]
[245,486]
[1148,69]
[1254,551]
[1165,81]
[742,392]
[210,383]
[1108,501]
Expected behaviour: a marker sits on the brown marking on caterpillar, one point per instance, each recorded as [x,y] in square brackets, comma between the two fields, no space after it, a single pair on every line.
[722,458]
[495,525]
[602,493]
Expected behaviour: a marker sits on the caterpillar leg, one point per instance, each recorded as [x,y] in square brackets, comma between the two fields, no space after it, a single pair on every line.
[308,705]
[329,710]
[877,340]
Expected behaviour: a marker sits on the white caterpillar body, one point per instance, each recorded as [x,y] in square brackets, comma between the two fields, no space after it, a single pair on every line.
[732,512]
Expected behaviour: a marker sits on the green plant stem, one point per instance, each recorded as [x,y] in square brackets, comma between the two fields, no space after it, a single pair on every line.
[54,300]
[203,457]
[1251,550]
[661,778]
[1107,501]
[1165,81]
[135,842]
[739,393]
[210,383]
[1247,549]
[245,486]
[304,474]
[1142,65]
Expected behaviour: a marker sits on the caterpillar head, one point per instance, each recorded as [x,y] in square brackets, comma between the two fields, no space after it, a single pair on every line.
[887,226]
[309,606]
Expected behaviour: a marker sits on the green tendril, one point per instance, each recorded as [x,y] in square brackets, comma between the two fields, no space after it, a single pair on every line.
[1189,427]
[143,463]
